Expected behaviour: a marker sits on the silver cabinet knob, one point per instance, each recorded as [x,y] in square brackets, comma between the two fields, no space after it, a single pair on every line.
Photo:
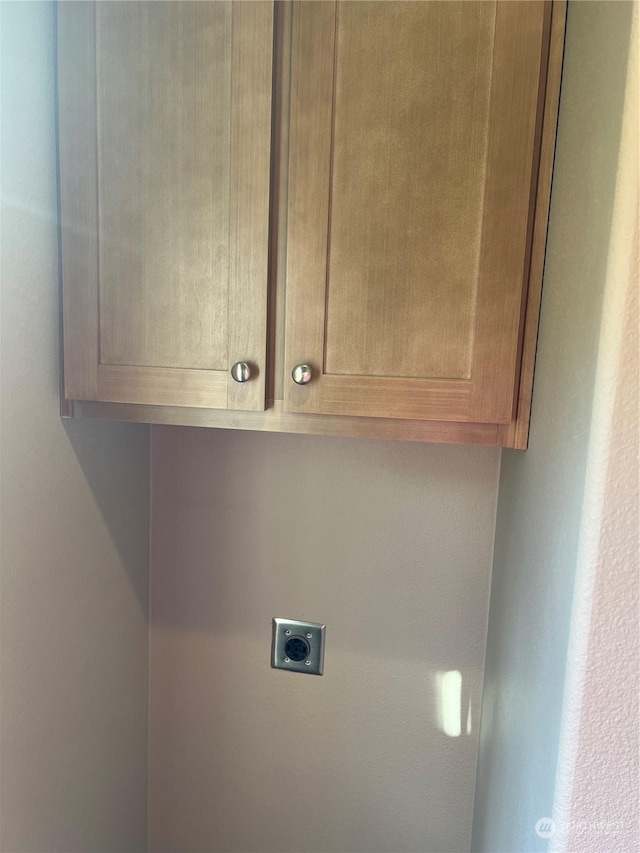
[301,374]
[241,371]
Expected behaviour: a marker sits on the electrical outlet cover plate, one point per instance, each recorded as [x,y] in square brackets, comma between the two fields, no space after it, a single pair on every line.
[298,646]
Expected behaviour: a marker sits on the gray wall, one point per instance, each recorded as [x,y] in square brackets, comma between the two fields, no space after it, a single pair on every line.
[388,543]
[74,545]
[541,492]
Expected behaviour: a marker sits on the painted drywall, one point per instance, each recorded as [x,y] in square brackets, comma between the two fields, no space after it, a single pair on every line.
[602,814]
[387,543]
[598,779]
[542,492]
[74,546]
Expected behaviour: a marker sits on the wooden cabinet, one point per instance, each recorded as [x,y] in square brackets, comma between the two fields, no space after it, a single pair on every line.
[369,199]
[165,124]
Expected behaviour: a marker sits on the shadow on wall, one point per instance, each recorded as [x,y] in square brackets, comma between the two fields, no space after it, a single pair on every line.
[114,460]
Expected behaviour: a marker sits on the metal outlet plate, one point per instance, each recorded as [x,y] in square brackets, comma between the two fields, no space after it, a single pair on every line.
[298,646]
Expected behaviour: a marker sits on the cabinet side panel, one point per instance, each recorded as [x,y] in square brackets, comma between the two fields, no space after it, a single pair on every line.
[516,434]
[164,105]
[518,57]
[78,199]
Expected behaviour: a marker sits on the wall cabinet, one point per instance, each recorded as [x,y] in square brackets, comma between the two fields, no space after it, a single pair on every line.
[358,190]
[165,124]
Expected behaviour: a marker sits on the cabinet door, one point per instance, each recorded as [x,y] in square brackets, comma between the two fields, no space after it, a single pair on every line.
[164,135]
[414,133]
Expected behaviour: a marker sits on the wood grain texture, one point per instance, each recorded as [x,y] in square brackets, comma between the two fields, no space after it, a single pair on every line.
[163,386]
[513,434]
[516,433]
[412,83]
[275,419]
[164,158]
[312,67]
[165,119]
[518,52]
[78,196]
[279,199]
[488,324]
[249,215]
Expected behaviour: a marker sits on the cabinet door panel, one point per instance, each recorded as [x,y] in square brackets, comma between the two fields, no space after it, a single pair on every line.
[165,117]
[413,144]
